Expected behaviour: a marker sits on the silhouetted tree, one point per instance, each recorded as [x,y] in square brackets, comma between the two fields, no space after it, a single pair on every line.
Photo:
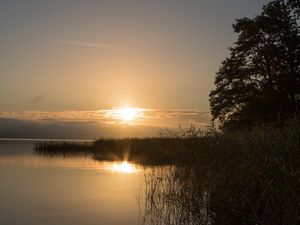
[295,4]
[260,81]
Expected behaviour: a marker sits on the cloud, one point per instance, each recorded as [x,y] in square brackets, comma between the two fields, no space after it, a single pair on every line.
[175,118]
[51,129]
[88,44]
[159,118]
[95,123]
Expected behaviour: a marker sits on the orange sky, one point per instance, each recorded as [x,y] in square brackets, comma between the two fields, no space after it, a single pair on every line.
[97,55]
[89,55]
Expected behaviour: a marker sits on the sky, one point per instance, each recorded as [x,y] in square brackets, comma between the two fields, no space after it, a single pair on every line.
[66,57]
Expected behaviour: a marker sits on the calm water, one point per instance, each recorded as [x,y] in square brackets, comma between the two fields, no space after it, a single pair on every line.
[56,190]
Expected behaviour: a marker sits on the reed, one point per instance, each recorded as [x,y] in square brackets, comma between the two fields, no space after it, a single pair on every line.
[248,177]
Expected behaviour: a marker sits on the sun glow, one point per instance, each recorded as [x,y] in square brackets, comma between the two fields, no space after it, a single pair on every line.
[125,115]
[128,114]
[123,167]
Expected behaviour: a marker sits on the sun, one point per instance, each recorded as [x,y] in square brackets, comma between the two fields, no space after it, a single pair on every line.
[125,115]
[128,114]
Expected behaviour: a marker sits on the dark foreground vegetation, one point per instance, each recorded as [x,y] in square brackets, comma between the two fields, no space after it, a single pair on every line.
[245,177]
[250,177]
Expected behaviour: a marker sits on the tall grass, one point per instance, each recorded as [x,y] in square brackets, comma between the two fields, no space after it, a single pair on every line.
[147,151]
[150,151]
[61,148]
[249,177]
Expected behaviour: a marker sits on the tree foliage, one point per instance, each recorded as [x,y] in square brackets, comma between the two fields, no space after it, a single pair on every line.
[260,81]
[295,4]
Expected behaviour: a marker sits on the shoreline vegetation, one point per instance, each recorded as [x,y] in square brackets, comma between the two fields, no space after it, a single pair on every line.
[148,151]
[245,177]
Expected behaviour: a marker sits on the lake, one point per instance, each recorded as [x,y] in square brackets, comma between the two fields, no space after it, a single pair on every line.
[65,190]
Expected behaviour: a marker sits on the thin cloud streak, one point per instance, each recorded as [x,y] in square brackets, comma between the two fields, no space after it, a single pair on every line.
[97,123]
[88,44]
[145,117]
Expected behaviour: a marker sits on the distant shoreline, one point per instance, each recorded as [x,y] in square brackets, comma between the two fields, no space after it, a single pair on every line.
[46,139]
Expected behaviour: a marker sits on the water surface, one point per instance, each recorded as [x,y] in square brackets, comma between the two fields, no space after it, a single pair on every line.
[65,190]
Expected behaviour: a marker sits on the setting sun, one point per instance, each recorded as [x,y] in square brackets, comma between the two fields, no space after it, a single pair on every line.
[124,115]
[128,114]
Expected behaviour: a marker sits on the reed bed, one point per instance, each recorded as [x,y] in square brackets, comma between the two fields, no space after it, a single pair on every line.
[251,177]
[62,148]
[147,151]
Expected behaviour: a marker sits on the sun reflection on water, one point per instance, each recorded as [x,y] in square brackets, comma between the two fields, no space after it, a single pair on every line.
[123,167]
